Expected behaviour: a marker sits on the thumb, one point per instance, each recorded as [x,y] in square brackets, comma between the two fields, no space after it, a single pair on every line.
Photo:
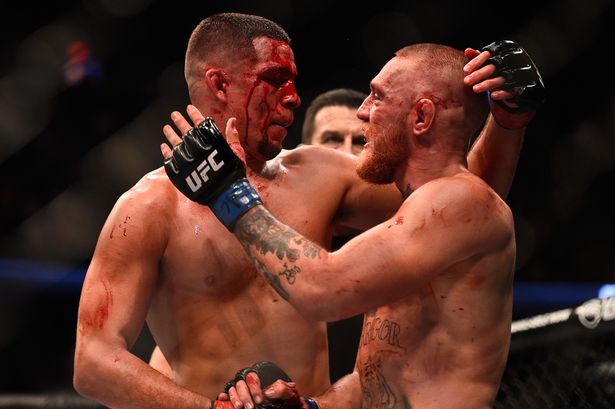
[232,134]
[232,138]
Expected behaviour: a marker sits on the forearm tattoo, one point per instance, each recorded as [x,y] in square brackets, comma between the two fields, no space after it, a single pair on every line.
[260,234]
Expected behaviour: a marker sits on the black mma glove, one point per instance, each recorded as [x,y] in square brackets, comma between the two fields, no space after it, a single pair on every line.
[205,169]
[268,373]
[522,76]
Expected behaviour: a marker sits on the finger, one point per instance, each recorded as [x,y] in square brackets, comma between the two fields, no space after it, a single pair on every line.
[491,84]
[479,75]
[166,151]
[476,62]
[171,135]
[471,53]
[232,138]
[231,133]
[244,394]
[234,397]
[195,115]
[254,384]
[180,122]
[501,95]
[280,390]
[223,396]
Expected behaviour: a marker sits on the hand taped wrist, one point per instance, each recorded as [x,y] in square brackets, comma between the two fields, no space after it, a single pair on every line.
[234,202]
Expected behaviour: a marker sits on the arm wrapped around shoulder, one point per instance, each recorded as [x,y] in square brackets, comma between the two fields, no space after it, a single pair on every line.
[206,170]
[522,76]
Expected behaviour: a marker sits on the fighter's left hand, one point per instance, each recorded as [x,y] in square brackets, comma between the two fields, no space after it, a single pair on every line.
[506,71]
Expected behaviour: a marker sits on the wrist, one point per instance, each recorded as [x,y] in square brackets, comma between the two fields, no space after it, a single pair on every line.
[311,403]
[220,404]
[508,120]
[236,200]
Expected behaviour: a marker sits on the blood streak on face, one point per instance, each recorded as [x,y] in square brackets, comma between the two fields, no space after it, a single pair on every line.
[270,99]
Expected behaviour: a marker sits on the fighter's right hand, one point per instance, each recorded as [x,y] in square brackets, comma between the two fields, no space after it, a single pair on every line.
[206,170]
[245,388]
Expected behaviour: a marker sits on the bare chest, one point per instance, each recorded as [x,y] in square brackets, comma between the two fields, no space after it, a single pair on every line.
[204,256]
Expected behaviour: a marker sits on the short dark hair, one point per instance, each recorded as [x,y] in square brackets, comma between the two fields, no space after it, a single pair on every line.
[344,97]
[227,32]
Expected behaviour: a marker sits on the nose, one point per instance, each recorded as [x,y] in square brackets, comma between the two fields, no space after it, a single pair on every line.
[363,111]
[347,145]
[290,98]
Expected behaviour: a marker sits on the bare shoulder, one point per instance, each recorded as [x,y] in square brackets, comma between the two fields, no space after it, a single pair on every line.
[464,200]
[324,159]
[153,192]
[150,201]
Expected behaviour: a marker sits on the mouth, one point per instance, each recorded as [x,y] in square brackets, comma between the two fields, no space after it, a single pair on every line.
[277,131]
[283,124]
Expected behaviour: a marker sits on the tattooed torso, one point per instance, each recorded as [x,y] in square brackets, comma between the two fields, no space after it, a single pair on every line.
[419,353]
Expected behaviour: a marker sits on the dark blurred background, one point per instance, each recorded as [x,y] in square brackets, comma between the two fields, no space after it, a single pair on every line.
[86,86]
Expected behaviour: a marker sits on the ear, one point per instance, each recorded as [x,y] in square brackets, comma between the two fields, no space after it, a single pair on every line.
[424,114]
[217,82]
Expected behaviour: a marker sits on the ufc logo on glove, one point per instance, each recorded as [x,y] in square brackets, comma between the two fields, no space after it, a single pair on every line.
[197,177]
[225,190]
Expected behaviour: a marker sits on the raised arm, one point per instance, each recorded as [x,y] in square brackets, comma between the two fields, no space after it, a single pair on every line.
[505,71]
[508,74]
[114,302]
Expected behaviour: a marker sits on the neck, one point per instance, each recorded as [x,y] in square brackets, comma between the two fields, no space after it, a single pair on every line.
[421,169]
[255,166]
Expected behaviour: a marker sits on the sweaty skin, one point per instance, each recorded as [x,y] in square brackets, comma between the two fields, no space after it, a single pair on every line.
[164,260]
[436,278]
[168,261]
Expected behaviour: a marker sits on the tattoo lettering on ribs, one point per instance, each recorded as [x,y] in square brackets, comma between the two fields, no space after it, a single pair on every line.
[379,329]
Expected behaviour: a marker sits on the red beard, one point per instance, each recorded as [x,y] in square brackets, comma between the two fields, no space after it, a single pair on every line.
[387,151]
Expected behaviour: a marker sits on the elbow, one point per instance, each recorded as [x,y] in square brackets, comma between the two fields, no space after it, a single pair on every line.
[84,373]
[321,294]
[316,304]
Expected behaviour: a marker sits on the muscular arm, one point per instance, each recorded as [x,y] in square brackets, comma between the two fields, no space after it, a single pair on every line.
[494,155]
[114,302]
[436,227]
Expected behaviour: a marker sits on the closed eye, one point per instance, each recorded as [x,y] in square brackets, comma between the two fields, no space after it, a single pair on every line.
[277,76]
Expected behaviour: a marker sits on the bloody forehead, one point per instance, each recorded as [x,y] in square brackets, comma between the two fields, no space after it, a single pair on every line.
[274,54]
